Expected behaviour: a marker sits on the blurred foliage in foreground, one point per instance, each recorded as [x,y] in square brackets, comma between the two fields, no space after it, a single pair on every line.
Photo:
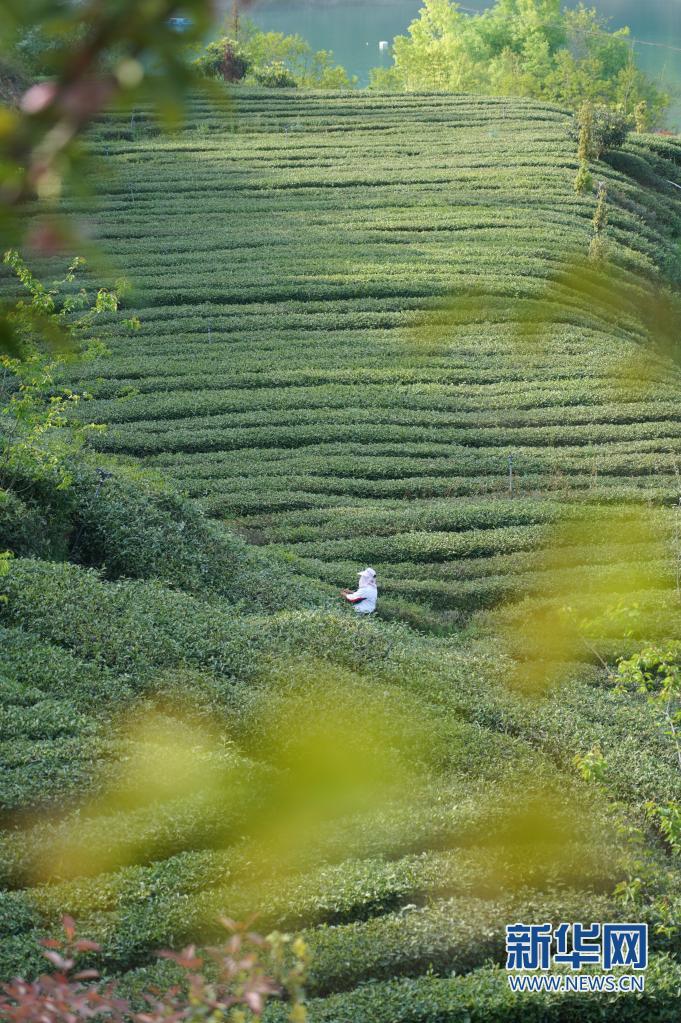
[95,54]
[50,326]
[232,983]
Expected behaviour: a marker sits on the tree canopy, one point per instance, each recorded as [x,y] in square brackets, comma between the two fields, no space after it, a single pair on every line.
[521,48]
[273,59]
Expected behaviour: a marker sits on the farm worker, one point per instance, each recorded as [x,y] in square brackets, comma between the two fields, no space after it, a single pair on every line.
[365,596]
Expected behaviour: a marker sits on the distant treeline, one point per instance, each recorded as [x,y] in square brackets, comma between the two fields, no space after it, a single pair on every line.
[528,48]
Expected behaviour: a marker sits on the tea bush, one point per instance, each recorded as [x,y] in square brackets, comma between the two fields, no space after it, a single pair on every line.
[484,997]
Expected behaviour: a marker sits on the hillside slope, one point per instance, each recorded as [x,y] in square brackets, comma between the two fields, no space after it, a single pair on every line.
[330,289]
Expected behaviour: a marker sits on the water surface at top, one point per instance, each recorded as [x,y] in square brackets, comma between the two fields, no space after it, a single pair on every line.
[353,30]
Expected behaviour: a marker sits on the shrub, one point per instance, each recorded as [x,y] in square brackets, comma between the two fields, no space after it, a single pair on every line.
[608,128]
[13,81]
[128,626]
[30,527]
[274,76]
[484,997]
[137,529]
[325,439]
[449,938]
[132,527]
[246,971]
[272,59]
[223,58]
[583,180]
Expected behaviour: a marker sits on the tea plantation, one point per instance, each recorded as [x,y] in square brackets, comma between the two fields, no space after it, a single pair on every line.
[329,361]
[332,370]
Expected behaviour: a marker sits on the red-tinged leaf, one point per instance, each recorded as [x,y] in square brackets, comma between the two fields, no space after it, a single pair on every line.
[38,97]
[59,961]
[83,98]
[190,963]
[86,975]
[50,943]
[69,925]
[186,959]
[255,1002]
[45,239]
[84,945]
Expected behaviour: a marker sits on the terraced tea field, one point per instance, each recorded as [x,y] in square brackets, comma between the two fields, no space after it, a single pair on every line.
[329,289]
[331,292]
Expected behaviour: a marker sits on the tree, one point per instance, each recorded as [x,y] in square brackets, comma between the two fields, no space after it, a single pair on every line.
[385,79]
[597,248]
[272,59]
[521,48]
[599,129]
[641,117]
[275,76]
[440,50]
[509,24]
[225,59]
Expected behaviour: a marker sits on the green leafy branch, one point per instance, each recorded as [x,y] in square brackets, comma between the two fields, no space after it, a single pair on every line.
[52,325]
[99,54]
[655,671]
[5,562]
